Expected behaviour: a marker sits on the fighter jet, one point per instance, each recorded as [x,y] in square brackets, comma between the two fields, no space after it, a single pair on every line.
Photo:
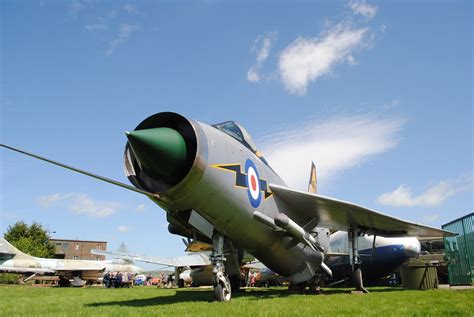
[13,260]
[216,187]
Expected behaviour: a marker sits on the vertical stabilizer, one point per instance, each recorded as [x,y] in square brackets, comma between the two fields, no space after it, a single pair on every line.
[313,181]
[8,251]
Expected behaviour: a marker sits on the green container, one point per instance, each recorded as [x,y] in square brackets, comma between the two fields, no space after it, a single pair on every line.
[419,277]
[460,250]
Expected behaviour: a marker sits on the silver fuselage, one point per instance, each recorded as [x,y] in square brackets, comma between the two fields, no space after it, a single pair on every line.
[212,193]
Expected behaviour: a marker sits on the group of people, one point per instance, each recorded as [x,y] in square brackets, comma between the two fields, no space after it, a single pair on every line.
[162,280]
[118,279]
[252,279]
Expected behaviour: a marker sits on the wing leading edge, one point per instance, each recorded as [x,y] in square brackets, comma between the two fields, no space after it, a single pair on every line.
[337,214]
[180,261]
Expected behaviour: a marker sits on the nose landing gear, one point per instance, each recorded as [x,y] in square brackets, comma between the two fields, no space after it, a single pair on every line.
[222,286]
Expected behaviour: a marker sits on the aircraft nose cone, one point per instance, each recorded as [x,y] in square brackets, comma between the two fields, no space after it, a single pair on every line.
[161,152]
[412,249]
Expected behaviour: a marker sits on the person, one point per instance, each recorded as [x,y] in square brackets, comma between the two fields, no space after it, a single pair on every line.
[252,280]
[130,279]
[125,280]
[118,281]
[106,280]
[113,279]
[165,280]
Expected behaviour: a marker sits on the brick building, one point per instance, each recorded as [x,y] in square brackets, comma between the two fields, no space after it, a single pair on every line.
[78,249]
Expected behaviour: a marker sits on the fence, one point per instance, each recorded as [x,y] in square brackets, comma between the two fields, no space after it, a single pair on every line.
[460,250]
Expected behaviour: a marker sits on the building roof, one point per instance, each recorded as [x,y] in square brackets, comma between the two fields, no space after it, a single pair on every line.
[75,240]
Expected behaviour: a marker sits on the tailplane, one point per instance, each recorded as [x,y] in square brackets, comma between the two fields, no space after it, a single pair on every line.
[321,234]
[313,181]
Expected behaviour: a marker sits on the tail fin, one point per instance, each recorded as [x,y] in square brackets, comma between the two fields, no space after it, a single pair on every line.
[313,181]
[8,251]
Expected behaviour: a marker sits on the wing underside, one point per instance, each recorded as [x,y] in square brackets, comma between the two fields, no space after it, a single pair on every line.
[304,207]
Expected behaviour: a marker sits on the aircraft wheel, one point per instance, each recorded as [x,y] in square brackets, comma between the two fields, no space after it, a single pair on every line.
[180,283]
[221,292]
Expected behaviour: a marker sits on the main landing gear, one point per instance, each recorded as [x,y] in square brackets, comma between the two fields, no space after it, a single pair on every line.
[221,283]
[352,234]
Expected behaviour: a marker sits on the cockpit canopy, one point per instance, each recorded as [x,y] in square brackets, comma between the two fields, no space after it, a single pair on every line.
[238,132]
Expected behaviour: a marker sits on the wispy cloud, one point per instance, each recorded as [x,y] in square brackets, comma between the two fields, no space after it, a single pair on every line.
[77,6]
[334,145]
[307,59]
[430,218]
[99,25]
[123,229]
[261,48]
[130,8]
[140,208]
[81,204]
[362,8]
[123,36]
[433,196]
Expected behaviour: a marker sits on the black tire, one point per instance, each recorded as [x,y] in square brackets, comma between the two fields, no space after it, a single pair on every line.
[180,283]
[221,294]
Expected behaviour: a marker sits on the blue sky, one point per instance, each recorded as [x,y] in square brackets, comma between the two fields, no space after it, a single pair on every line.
[377,94]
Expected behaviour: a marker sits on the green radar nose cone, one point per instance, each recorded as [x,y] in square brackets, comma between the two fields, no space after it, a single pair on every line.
[160,151]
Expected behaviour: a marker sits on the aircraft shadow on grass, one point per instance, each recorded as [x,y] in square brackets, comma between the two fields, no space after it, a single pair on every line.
[181,296]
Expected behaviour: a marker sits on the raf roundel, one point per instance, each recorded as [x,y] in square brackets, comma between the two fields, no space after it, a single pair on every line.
[252,181]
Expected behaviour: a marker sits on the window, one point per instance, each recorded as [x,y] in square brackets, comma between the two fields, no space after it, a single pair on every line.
[75,257]
[238,132]
[77,246]
[98,246]
[97,258]
[231,129]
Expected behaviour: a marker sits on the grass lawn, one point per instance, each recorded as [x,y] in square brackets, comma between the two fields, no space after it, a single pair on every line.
[147,301]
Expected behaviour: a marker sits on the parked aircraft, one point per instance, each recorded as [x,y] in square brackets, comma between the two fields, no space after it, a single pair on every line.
[216,187]
[13,260]
[378,259]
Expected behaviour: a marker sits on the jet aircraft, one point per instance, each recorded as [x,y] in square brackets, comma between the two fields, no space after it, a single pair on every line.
[379,258]
[216,187]
[13,260]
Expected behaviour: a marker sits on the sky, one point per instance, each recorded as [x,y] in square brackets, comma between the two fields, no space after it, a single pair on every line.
[378,94]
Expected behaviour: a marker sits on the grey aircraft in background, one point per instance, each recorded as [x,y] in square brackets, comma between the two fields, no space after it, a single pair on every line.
[13,260]
[216,187]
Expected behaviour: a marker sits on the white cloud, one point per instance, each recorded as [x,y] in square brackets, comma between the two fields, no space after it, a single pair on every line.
[307,59]
[261,48]
[252,75]
[130,8]
[433,196]
[100,25]
[141,207]
[123,229]
[334,145]
[81,204]
[123,36]
[77,6]
[362,8]
[430,218]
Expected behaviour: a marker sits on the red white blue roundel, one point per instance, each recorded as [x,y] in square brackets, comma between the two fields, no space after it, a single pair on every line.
[252,180]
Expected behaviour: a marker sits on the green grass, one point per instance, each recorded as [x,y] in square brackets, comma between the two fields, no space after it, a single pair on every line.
[144,301]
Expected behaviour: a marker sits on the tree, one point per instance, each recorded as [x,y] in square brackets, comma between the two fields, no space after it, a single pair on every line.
[33,239]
